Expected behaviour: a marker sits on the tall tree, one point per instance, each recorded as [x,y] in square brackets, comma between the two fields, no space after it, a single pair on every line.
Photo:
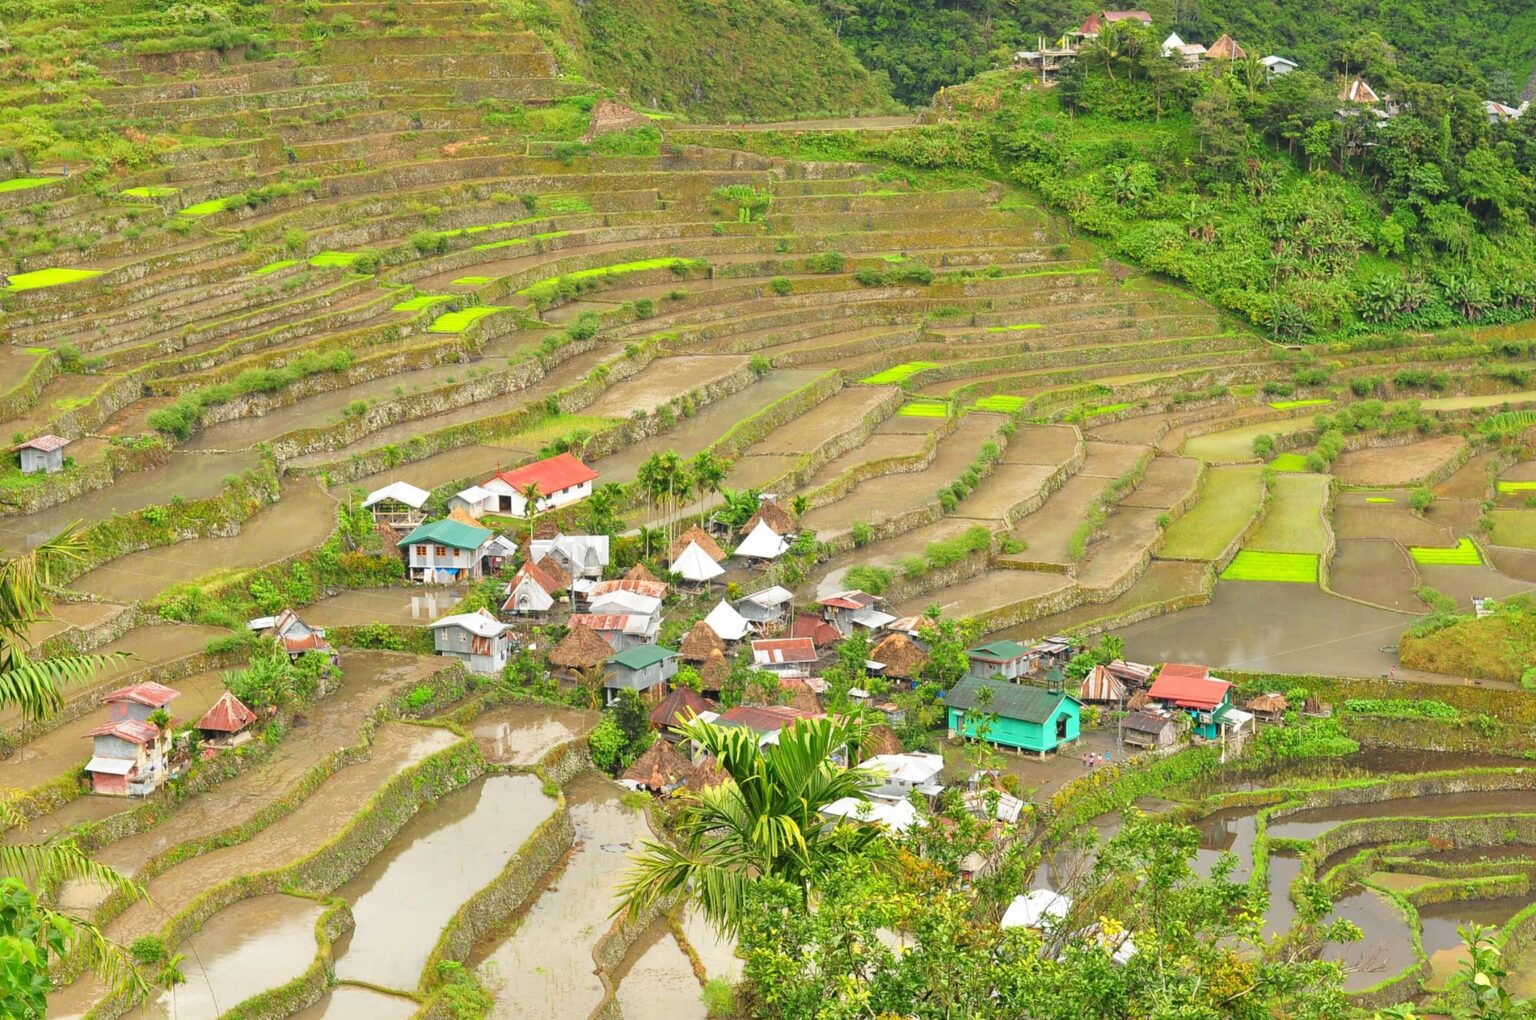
[762,822]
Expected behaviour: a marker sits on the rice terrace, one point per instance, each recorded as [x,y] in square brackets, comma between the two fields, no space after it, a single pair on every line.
[624,510]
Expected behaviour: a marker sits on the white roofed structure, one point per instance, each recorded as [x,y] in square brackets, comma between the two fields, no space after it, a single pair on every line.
[1035,909]
[897,815]
[398,503]
[763,543]
[479,623]
[727,622]
[695,565]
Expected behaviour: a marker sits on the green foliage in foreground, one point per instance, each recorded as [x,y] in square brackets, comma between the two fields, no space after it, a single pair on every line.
[181,418]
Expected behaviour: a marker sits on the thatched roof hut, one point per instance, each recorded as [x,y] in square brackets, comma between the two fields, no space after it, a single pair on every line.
[707,773]
[680,705]
[696,534]
[880,739]
[1138,701]
[661,769]
[639,572]
[699,642]
[463,516]
[714,672]
[1270,705]
[775,516]
[555,572]
[580,648]
[900,656]
[801,697]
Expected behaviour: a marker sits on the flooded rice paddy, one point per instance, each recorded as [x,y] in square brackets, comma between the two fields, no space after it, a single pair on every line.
[570,910]
[656,980]
[447,852]
[522,734]
[353,1002]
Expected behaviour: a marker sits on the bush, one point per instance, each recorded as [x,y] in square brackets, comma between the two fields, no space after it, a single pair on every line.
[868,276]
[864,577]
[781,285]
[719,998]
[147,949]
[862,533]
[825,262]
[606,742]
[419,697]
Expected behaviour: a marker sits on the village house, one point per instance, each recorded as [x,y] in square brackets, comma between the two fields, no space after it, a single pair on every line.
[1189,53]
[619,630]
[767,608]
[774,516]
[479,640]
[227,724]
[695,535]
[1270,706]
[900,774]
[42,455]
[130,756]
[1152,731]
[644,669]
[584,557]
[1101,686]
[786,657]
[679,706]
[700,643]
[820,633]
[896,816]
[531,592]
[1277,66]
[1028,718]
[647,586]
[474,501]
[1134,675]
[1226,48]
[767,721]
[293,635]
[1500,112]
[447,552]
[1191,689]
[1007,659]
[899,657]
[661,771]
[850,610]
[621,601]
[561,480]
[1095,23]
[398,504]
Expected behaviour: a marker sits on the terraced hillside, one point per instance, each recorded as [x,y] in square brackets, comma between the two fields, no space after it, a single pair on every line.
[419,253]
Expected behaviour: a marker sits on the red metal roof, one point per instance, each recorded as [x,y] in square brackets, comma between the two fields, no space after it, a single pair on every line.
[783,650]
[763,718]
[1185,669]
[539,576]
[678,707]
[1189,691]
[848,600]
[653,589]
[135,731]
[809,625]
[228,715]
[600,621]
[552,474]
[304,643]
[147,693]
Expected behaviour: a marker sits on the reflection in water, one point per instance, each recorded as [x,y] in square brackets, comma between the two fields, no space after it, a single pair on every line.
[1309,823]
[656,982]
[244,949]
[522,734]
[350,1002]
[402,899]
[1385,949]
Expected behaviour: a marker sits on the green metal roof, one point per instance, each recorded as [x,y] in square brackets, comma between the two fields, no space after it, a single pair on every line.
[998,651]
[1009,701]
[641,656]
[449,532]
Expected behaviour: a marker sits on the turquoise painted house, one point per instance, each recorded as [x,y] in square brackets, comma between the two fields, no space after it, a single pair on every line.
[1031,719]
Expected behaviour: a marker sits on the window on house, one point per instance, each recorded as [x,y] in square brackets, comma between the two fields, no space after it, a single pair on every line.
[421,550]
[441,551]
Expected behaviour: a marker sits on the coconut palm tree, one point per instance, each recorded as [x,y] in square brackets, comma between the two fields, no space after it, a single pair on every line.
[764,820]
[531,494]
[35,686]
[709,472]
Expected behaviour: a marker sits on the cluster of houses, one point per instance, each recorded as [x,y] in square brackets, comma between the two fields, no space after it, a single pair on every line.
[1356,95]
[1048,61]
[135,751]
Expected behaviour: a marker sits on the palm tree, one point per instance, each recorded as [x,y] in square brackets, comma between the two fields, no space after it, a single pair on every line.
[531,494]
[589,680]
[35,686]
[764,820]
[709,472]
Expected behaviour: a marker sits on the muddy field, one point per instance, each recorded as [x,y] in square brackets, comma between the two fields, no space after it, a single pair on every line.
[1397,465]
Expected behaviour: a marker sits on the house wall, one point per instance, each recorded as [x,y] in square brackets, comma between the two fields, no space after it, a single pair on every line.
[116,747]
[424,557]
[1007,670]
[111,786]
[36,460]
[117,711]
[485,656]
[510,501]
[1018,733]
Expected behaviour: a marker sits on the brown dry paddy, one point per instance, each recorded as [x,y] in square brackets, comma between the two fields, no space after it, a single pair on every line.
[1397,465]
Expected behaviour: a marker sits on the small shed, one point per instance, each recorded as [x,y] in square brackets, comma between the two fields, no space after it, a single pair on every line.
[700,642]
[138,701]
[1028,718]
[642,668]
[695,566]
[762,543]
[1150,730]
[1269,706]
[43,455]
[769,607]
[474,501]
[726,622]
[581,648]
[680,705]
[661,770]
[900,656]
[398,504]
[696,535]
[1102,686]
[619,630]
[228,723]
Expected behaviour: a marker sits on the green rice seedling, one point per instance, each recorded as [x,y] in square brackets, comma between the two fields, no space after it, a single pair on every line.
[207,208]
[333,259]
[458,322]
[1291,568]
[23,183]
[272,267]
[419,302]
[898,373]
[471,281]
[1463,554]
[1286,463]
[50,278]
[149,191]
[1287,405]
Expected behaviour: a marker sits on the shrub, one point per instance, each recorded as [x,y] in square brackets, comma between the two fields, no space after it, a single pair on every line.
[825,262]
[719,999]
[781,285]
[1264,446]
[1420,498]
[868,276]
[147,949]
[419,697]
[862,533]
[864,577]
